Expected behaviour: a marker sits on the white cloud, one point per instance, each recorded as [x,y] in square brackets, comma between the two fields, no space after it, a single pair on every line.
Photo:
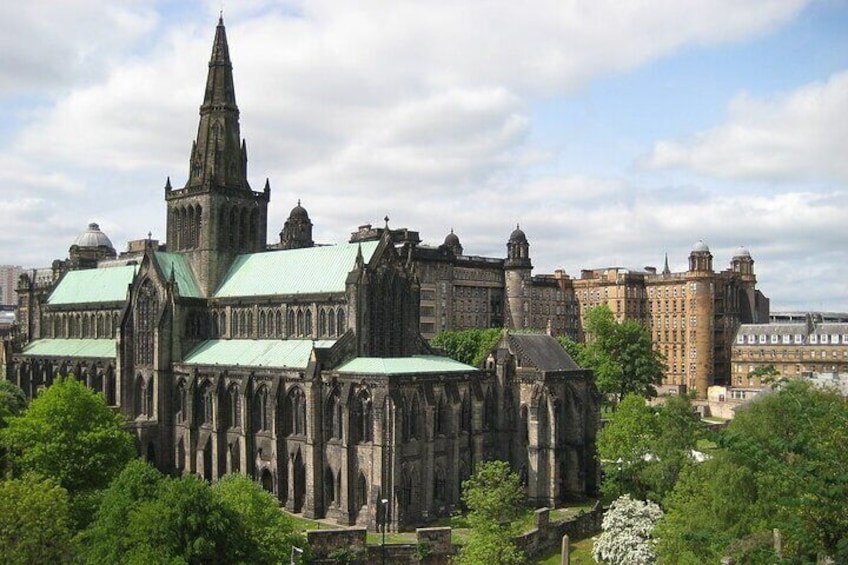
[802,135]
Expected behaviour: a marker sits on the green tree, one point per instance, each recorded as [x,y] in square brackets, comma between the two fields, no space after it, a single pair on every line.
[34,522]
[494,497]
[68,433]
[12,401]
[645,448]
[782,465]
[103,541]
[270,533]
[467,346]
[621,355]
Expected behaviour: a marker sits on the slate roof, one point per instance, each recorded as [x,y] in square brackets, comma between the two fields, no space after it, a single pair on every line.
[542,352]
[179,265]
[99,348]
[293,271]
[93,285]
[404,365]
[289,353]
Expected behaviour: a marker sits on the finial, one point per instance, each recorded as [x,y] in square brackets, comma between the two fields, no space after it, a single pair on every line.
[149,235]
[387,221]
[168,184]
[451,229]
[267,185]
[221,17]
[298,201]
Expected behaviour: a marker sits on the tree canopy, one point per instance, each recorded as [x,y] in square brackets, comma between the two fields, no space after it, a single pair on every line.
[12,401]
[34,522]
[782,464]
[494,496]
[626,538]
[467,346]
[644,448]
[620,354]
[145,514]
[68,433]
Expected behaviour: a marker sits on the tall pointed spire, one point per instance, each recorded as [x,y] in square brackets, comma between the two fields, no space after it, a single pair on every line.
[666,270]
[219,156]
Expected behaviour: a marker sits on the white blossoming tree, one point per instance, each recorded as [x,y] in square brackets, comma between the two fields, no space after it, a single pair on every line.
[626,537]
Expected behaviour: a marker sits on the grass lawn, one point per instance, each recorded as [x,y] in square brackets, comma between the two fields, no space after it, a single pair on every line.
[581,554]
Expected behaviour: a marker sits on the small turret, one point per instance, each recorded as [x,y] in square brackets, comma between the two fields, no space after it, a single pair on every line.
[700,259]
[297,231]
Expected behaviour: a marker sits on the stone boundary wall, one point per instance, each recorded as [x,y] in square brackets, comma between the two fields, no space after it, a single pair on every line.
[434,546]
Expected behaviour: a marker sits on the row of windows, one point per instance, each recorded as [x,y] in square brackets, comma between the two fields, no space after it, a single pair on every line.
[787,339]
[83,325]
[298,322]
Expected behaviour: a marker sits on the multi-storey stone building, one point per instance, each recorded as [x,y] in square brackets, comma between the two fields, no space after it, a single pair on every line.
[299,365]
[795,349]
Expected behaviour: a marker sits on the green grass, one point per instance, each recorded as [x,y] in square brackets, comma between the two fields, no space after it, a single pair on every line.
[581,554]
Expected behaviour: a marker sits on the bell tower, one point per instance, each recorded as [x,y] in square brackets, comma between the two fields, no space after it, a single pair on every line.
[216,215]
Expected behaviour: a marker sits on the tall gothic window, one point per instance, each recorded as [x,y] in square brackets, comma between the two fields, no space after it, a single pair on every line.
[362,424]
[290,323]
[296,404]
[278,324]
[340,322]
[182,403]
[233,406]
[465,414]
[333,416]
[148,306]
[308,323]
[260,410]
[331,322]
[205,401]
[322,323]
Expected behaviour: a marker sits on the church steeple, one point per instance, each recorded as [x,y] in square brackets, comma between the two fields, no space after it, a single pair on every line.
[216,215]
[219,156]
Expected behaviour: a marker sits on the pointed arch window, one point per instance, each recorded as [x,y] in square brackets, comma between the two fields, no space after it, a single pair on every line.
[290,323]
[333,416]
[278,324]
[262,327]
[205,402]
[233,407]
[148,306]
[465,414]
[260,410]
[322,323]
[308,323]
[300,325]
[331,322]
[182,403]
[362,424]
[340,322]
[296,404]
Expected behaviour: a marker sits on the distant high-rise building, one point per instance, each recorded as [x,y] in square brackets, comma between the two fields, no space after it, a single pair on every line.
[9,275]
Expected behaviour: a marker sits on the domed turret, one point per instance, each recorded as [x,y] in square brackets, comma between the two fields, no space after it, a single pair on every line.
[89,247]
[742,262]
[700,259]
[517,235]
[452,243]
[741,252]
[93,237]
[297,231]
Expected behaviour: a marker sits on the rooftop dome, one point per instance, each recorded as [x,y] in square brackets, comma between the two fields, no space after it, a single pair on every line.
[517,234]
[700,247]
[742,252]
[299,212]
[93,237]
[451,239]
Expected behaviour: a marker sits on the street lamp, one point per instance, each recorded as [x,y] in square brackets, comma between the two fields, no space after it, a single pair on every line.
[385,510]
[294,551]
[620,463]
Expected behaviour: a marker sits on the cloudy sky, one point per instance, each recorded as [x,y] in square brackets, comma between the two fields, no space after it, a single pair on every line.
[612,131]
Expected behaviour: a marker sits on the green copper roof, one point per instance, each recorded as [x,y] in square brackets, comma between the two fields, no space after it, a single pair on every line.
[101,348]
[293,353]
[178,264]
[293,271]
[404,365]
[108,284]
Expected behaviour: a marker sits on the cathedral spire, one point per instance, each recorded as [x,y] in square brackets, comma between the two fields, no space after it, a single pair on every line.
[219,156]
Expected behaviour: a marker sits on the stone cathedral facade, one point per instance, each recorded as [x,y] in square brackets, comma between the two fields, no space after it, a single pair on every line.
[299,365]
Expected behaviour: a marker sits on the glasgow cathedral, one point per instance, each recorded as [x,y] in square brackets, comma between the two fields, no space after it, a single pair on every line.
[304,366]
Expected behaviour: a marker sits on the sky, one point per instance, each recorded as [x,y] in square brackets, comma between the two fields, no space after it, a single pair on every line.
[613,132]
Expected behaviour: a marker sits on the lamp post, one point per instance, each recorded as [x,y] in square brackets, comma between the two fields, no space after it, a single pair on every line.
[620,463]
[294,551]
[384,505]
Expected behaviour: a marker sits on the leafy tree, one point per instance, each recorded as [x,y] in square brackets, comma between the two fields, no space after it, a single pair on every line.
[187,522]
[626,537]
[68,433]
[621,355]
[270,533]
[767,374]
[468,346]
[12,401]
[494,496]
[645,448]
[34,522]
[104,539]
[782,465]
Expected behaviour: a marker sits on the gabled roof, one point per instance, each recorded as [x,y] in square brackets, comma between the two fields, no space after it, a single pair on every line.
[404,365]
[293,271]
[178,264]
[100,348]
[93,285]
[542,352]
[290,353]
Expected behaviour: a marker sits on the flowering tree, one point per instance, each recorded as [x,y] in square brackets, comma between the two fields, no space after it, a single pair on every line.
[626,537]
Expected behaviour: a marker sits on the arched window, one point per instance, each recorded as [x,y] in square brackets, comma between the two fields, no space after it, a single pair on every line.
[333,416]
[331,322]
[140,390]
[524,428]
[439,488]
[234,406]
[322,323]
[215,324]
[465,414]
[340,322]
[248,326]
[260,409]
[278,324]
[308,323]
[182,403]
[441,417]
[410,420]
[223,324]
[262,323]
[205,400]
[362,424]
[290,323]
[490,410]
[300,325]
[296,404]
